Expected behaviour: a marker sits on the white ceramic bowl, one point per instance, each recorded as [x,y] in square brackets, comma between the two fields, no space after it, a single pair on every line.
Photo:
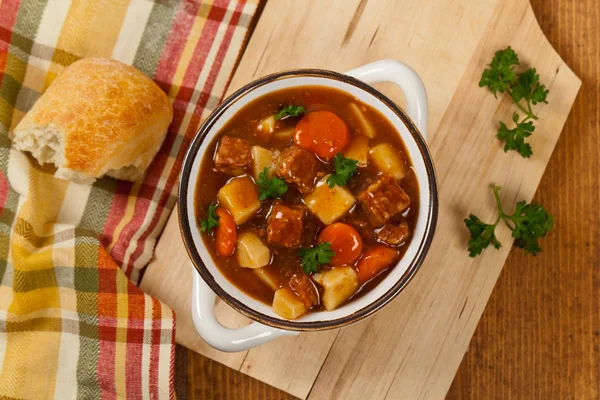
[208,280]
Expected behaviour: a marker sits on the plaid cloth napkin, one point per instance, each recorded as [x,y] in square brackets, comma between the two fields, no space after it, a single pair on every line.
[72,322]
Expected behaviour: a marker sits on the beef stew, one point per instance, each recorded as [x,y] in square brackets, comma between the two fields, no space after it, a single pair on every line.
[307,199]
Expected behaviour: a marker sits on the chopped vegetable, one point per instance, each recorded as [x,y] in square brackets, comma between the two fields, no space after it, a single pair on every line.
[322,133]
[289,111]
[268,277]
[313,257]
[358,150]
[501,77]
[345,242]
[261,159]
[528,223]
[226,233]
[239,196]
[251,252]
[339,284]
[367,127]
[284,134]
[211,221]
[389,160]
[270,187]
[343,170]
[374,261]
[267,125]
[329,204]
[287,305]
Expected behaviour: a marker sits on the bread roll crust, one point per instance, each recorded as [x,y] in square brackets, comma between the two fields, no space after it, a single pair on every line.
[109,119]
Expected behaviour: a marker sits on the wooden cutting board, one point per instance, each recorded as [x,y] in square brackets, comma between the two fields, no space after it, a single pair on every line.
[412,348]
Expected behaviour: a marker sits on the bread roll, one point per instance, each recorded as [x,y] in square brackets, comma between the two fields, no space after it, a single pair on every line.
[99,117]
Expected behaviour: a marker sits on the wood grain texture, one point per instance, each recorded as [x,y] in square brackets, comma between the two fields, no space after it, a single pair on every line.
[413,347]
[539,337]
[205,379]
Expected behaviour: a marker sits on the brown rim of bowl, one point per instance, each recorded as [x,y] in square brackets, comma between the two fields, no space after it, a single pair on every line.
[290,324]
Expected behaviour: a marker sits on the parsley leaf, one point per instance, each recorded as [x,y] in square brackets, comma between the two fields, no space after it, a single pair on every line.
[531,222]
[315,256]
[344,168]
[528,223]
[211,221]
[270,187]
[482,235]
[528,87]
[290,111]
[501,72]
[514,139]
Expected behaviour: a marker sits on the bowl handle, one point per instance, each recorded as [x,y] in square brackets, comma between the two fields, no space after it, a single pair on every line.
[406,79]
[220,337]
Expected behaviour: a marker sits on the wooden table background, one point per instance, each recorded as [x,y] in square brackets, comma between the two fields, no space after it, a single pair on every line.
[539,337]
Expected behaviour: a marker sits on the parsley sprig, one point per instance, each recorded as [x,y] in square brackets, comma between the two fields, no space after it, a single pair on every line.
[289,111]
[270,187]
[344,168]
[523,88]
[528,223]
[211,221]
[315,256]
[514,139]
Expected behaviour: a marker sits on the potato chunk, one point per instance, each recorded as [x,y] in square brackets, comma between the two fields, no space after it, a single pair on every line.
[261,158]
[389,160]
[358,150]
[251,252]
[367,128]
[284,134]
[267,277]
[267,125]
[338,285]
[240,197]
[329,204]
[287,305]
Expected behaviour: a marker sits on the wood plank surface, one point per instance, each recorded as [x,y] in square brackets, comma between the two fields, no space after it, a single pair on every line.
[412,348]
[539,337]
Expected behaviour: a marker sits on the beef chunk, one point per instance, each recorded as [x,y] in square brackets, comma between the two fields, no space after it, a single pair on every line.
[304,288]
[233,156]
[285,226]
[393,234]
[297,167]
[383,199]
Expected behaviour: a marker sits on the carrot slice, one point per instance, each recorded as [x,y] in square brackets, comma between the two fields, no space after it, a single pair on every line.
[225,233]
[323,133]
[375,260]
[345,242]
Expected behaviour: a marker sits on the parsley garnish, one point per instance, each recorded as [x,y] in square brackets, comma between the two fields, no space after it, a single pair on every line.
[501,72]
[344,168]
[270,187]
[528,223]
[315,256]
[514,139]
[211,221]
[500,77]
[290,111]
